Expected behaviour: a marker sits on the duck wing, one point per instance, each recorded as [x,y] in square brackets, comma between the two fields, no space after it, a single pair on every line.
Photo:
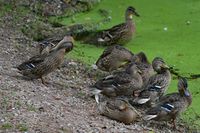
[32,62]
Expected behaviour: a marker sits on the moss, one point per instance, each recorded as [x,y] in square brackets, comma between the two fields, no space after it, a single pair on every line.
[6,126]
[22,127]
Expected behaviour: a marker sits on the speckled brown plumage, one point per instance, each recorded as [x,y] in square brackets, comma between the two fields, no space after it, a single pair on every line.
[119,34]
[118,109]
[157,84]
[171,105]
[122,83]
[113,58]
[41,65]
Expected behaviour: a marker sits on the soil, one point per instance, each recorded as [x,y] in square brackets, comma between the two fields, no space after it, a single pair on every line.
[64,105]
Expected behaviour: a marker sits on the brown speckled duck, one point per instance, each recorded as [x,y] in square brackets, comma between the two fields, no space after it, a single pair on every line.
[171,105]
[119,34]
[41,65]
[140,59]
[156,85]
[122,83]
[113,58]
[118,109]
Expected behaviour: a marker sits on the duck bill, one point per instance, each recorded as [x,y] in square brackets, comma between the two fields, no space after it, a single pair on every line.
[187,93]
[136,14]
[165,66]
[139,71]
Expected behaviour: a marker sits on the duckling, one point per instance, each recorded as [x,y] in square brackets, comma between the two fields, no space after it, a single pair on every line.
[114,57]
[171,105]
[119,34]
[143,64]
[156,85]
[122,83]
[43,64]
[118,109]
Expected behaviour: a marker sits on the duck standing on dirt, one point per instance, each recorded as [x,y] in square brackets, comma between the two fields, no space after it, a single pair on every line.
[171,105]
[114,57]
[156,85]
[119,34]
[118,109]
[121,83]
[43,64]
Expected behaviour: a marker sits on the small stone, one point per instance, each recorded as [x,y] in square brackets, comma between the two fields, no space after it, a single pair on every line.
[165,28]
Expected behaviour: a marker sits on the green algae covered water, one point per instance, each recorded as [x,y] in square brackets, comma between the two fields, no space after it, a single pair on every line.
[169,29]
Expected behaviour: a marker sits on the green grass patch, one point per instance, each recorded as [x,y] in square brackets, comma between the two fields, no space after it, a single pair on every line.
[6,126]
[22,127]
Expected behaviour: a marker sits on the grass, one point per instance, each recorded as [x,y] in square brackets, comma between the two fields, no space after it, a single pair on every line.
[178,45]
[22,127]
[6,126]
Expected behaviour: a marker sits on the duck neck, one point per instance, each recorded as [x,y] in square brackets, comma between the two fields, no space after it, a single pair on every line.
[128,19]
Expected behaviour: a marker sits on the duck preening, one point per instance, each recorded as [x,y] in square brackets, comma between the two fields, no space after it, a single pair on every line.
[43,64]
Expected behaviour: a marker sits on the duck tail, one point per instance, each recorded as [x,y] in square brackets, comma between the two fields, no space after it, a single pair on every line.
[149,117]
[94,91]
[143,100]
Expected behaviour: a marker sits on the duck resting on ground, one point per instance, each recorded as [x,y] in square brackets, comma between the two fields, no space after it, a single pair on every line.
[171,105]
[121,83]
[43,64]
[118,109]
[119,34]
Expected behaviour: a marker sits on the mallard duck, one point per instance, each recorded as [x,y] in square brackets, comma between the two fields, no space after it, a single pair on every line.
[41,65]
[171,105]
[122,83]
[119,34]
[140,59]
[156,85]
[113,58]
[118,109]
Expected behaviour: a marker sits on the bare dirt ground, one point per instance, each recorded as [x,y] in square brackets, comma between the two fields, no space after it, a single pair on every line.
[63,106]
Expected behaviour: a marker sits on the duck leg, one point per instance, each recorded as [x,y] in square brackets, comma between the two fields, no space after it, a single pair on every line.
[174,123]
[43,81]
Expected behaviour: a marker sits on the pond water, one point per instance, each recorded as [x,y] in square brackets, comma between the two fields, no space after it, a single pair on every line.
[169,29]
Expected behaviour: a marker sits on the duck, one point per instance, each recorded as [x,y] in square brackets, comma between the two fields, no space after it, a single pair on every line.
[141,60]
[41,65]
[118,34]
[114,57]
[171,105]
[121,83]
[118,109]
[156,85]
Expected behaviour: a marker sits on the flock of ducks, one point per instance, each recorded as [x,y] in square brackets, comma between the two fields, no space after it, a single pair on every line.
[132,81]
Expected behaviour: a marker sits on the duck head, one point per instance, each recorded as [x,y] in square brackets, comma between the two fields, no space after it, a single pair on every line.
[66,43]
[140,58]
[133,69]
[159,65]
[130,11]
